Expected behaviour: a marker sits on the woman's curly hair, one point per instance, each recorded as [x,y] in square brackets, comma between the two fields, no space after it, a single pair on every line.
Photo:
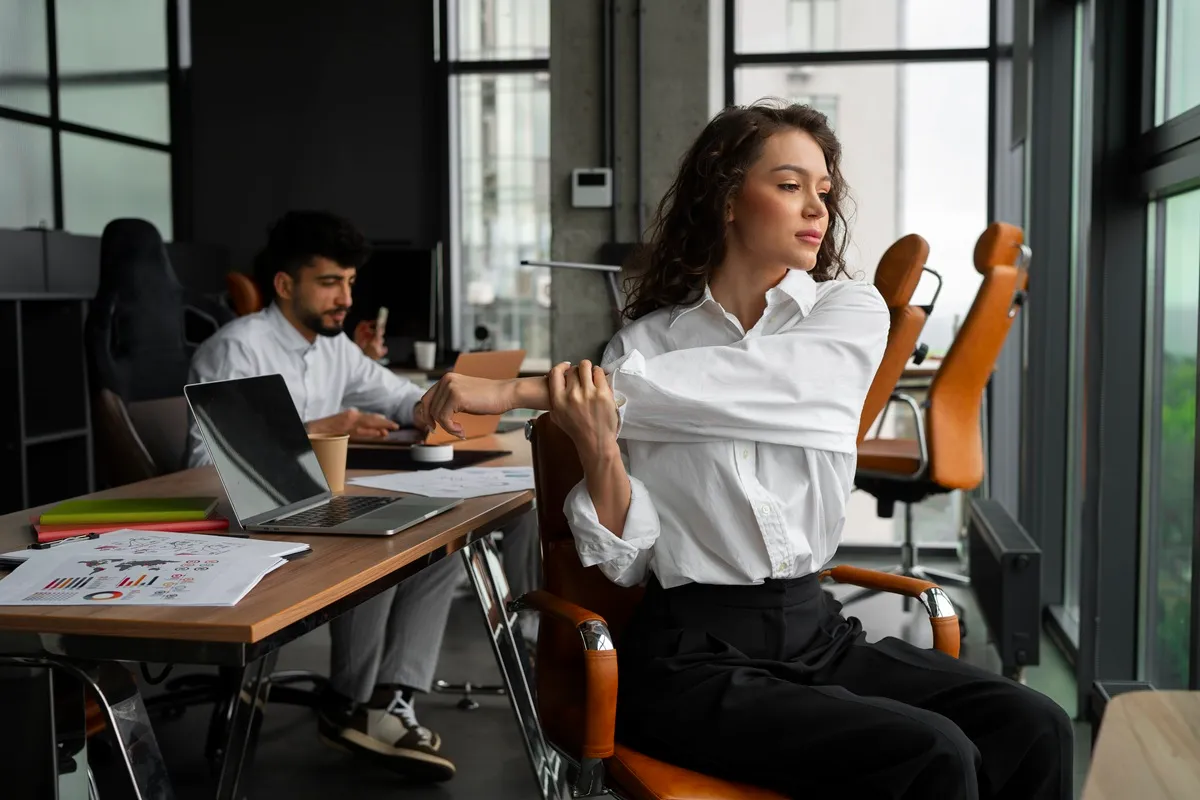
[688,235]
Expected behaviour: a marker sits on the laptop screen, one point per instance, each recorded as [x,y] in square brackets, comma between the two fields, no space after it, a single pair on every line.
[257,443]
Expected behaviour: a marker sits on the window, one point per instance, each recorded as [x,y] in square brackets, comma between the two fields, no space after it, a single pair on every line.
[915,141]
[500,30]
[1178,59]
[800,26]
[96,144]
[27,189]
[1168,494]
[105,180]
[24,65]
[500,176]
[812,25]
[112,66]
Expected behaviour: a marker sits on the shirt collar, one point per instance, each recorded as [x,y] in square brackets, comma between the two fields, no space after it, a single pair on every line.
[797,284]
[291,338]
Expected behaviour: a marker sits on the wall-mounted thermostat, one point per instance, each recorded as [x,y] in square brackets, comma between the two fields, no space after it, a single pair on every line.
[591,188]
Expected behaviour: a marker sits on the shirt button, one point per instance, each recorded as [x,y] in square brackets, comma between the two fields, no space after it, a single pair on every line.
[764,508]
[782,566]
[746,453]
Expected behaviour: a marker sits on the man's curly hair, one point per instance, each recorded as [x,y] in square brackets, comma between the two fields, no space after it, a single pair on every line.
[688,235]
[299,236]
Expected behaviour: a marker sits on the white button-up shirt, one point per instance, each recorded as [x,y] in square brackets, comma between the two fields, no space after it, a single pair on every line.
[740,445]
[324,376]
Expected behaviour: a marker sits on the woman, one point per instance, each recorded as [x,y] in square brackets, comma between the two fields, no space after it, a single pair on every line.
[722,485]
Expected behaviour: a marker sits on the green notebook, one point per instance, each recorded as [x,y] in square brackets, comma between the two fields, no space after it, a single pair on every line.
[131,509]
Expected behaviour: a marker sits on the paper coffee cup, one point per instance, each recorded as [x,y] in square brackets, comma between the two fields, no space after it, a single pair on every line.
[426,353]
[331,450]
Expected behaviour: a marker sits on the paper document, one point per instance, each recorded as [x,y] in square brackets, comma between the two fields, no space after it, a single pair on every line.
[164,543]
[465,482]
[69,576]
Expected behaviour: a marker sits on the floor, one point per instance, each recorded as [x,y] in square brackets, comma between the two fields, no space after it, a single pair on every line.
[484,743]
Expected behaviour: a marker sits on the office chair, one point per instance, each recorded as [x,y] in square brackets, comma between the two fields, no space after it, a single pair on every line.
[947,452]
[583,613]
[141,329]
[899,271]
[244,294]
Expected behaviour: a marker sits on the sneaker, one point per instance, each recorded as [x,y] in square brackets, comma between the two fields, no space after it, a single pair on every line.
[390,736]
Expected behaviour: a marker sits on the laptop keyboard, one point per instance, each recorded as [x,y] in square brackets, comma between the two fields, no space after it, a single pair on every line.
[339,509]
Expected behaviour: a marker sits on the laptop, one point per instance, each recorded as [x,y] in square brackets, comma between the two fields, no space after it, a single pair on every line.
[498,365]
[271,475]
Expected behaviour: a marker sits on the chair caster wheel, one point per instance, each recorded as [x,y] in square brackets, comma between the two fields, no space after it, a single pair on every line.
[467,704]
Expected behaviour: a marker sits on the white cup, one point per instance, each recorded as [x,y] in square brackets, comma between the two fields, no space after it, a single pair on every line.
[426,353]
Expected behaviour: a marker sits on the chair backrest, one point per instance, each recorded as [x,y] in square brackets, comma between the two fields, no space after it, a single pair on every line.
[896,278]
[560,671]
[141,329]
[244,294]
[953,422]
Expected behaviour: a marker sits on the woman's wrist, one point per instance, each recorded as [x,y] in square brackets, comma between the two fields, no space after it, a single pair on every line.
[530,393]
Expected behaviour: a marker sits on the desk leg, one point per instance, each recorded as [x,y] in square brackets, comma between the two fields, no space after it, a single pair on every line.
[245,719]
[491,589]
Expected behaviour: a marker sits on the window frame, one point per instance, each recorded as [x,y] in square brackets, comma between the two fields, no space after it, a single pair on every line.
[450,68]
[57,126]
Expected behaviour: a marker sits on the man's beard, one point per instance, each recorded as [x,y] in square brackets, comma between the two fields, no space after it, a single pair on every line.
[315,322]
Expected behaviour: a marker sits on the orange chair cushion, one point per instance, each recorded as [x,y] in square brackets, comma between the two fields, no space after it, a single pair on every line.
[894,456]
[644,778]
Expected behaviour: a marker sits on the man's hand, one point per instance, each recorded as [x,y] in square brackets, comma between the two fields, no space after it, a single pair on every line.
[456,393]
[359,424]
[370,339]
[582,404]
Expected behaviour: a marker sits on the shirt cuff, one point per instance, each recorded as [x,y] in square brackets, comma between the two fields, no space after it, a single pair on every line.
[596,544]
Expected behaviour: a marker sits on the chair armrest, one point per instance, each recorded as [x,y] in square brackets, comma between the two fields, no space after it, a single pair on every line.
[599,664]
[937,603]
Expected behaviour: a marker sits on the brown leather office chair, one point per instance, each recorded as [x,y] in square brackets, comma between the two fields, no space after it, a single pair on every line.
[583,613]
[244,295]
[899,271]
[947,452]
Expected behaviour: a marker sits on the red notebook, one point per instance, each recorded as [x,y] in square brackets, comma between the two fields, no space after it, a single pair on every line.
[51,533]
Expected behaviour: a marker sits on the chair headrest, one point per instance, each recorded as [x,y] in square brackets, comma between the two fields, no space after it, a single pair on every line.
[1000,244]
[133,256]
[899,270]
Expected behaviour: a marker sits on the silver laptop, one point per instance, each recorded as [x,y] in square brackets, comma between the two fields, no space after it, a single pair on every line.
[270,473]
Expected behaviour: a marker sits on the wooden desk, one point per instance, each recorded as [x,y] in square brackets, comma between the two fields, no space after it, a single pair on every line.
[337,567]
[1148,749]
[340,573]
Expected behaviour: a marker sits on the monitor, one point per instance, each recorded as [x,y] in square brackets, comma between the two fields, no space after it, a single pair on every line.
[258,444]
[404,279]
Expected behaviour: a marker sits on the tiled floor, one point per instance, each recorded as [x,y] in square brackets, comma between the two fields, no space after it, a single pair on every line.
[484,743]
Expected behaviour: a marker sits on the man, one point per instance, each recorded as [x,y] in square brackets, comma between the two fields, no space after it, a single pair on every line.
[385,650]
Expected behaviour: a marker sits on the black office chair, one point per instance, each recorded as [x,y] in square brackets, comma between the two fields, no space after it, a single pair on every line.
[142,328]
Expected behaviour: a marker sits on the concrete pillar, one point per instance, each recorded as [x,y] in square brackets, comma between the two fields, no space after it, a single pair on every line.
[672,108]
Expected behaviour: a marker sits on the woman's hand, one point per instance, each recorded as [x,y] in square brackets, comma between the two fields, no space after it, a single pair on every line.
[582,404]
[456,393]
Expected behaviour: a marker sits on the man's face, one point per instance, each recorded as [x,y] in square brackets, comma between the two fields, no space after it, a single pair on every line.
[320,297]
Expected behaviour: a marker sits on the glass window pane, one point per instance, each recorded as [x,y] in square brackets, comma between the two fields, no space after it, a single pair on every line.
[27,188]
[24,71]
[914,138]
[500,30]
[503,199]
[1178,80]
[801,26]
[1168,542]
[104,180]
[112,66]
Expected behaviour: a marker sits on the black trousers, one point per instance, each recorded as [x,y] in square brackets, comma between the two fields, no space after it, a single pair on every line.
[771,685]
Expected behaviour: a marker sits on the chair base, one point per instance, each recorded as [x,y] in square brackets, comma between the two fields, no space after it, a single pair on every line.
[220,690]
[468,689]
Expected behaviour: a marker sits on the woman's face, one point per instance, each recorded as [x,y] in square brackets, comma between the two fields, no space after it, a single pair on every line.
[779,216]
